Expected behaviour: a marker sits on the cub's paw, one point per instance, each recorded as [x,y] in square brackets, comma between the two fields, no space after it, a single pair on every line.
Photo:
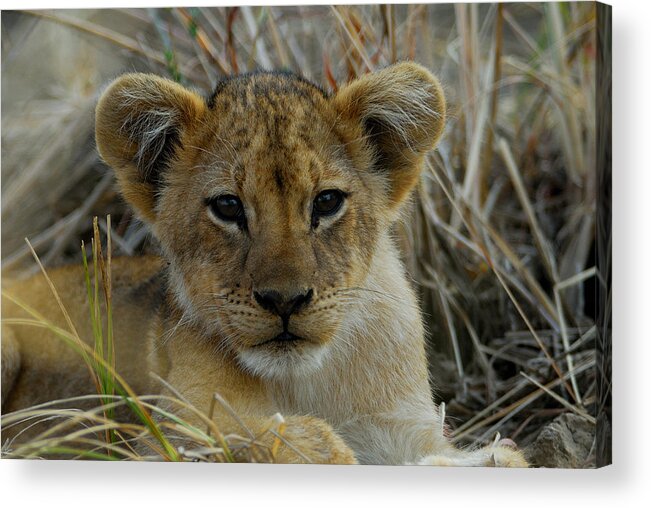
[502,453]
[505,453]
[312,440]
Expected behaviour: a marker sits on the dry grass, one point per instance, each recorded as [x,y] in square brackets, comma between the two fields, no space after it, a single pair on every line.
[500,239]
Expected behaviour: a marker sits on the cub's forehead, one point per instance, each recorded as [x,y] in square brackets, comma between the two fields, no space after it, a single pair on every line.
[275,100]
[271,111]
[244,88]
[273,122]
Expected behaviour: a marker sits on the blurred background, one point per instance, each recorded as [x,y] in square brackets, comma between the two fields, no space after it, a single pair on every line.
[501,239]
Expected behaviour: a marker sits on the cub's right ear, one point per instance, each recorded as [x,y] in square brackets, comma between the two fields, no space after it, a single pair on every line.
[141,122]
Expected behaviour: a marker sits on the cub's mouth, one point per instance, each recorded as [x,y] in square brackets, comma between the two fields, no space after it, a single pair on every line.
[283,338]
[285,354]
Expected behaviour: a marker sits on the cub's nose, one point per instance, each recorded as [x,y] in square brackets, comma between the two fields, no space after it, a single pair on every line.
[283,305]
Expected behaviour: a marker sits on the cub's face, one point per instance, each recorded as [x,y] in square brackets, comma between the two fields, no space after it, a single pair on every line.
[269,198]
[268,221]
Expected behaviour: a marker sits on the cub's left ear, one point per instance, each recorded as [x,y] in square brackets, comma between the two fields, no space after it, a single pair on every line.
[401,113]
[141,122]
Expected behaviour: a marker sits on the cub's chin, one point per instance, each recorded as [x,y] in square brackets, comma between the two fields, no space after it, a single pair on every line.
[285,355]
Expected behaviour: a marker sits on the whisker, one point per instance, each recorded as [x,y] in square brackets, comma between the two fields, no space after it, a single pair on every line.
[369,290]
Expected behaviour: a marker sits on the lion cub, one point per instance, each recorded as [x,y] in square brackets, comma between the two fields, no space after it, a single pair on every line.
[281,287]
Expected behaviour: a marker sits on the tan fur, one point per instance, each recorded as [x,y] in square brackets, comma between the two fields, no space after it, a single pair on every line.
[355,388]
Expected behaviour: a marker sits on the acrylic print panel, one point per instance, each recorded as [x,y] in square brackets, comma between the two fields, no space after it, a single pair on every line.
[315,234]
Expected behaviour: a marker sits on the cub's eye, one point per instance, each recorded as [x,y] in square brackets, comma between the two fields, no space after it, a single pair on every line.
[228,208]
[327,203]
